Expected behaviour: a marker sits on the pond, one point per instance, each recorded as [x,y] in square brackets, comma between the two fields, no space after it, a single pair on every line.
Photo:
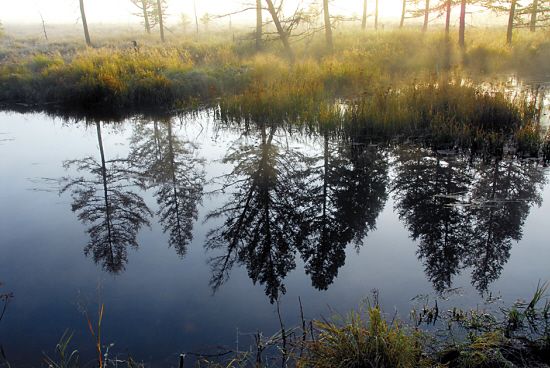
[188,230]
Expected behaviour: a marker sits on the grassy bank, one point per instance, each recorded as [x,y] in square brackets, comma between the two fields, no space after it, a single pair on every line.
[485,337]
[385,84]
[117,76]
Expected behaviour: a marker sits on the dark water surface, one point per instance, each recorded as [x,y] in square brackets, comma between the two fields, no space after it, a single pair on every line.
[208,224]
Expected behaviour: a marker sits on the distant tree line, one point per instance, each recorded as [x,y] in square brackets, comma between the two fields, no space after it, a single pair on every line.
[530,14]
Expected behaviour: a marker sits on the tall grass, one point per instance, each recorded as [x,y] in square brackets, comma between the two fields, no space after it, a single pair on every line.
[117,76]
[358,343]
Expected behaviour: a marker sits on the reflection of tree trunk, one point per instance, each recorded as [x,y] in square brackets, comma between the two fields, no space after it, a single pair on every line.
[282,33]
[462,27]
[161,24]
[325,176]
[85,23]
[105,191]
[328,26]
[259,25]
[145,16]
[426,16]
[403,12]
[511,16]
[534,11]
[364,22]
[174,180]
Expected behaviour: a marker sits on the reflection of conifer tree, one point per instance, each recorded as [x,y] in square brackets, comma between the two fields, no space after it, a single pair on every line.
[503,195]
[345,193]
[261,218]
[170,165]
[103,200]
[424,190]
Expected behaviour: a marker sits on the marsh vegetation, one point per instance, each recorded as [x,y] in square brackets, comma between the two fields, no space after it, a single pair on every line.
[270,153]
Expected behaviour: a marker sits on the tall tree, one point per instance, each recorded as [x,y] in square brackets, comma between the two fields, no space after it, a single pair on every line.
[376,12]
[534,13]
[259,25]
[511,17]
[403,14]
[426,16]
[283,34]
[85,23]
[328,26]
[196,17]
[462,25]
[146,8]
[364,21]
[448,8]
[160,14]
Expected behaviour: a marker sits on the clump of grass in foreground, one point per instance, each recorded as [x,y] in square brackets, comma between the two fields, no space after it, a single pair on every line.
[363,343]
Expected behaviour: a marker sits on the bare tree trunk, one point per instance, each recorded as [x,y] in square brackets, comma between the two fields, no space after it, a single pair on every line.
[426,16]
[448,19]
[509,33]
[403,13]
[196,17]
[43,26]
[533,24]
[85,23]
[328,26]
[282,33]
[145,16]
[161,24]
[259,25]
[364,23]
[376,16]
[462,27]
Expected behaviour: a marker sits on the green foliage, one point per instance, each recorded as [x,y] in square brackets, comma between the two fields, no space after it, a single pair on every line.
[363,343]
[65,357]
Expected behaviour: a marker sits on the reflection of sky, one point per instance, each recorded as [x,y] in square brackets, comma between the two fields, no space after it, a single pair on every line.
[162,305]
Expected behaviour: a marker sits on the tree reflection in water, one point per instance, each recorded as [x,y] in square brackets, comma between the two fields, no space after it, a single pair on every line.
[170,166]
[104,200]
[464,212]
[345,191]
[285,202]
[309,199]
[261,219]
[502,196]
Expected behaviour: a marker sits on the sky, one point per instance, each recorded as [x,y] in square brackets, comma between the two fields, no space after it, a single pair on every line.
[120,11]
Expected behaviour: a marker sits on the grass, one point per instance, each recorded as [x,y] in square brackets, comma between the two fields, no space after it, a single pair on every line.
[117,76]
[393,83]
[358,343]
[516,336]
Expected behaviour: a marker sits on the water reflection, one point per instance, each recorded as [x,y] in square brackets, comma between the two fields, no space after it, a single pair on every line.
[103,199]
[170,166]
[286,196]
[502,196]
[344,192]
[261,220]
[464,212]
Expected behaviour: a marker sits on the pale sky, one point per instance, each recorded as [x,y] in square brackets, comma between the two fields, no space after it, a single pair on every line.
[120,11]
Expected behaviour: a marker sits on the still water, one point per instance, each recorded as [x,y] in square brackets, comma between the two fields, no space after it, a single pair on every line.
[188,229]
